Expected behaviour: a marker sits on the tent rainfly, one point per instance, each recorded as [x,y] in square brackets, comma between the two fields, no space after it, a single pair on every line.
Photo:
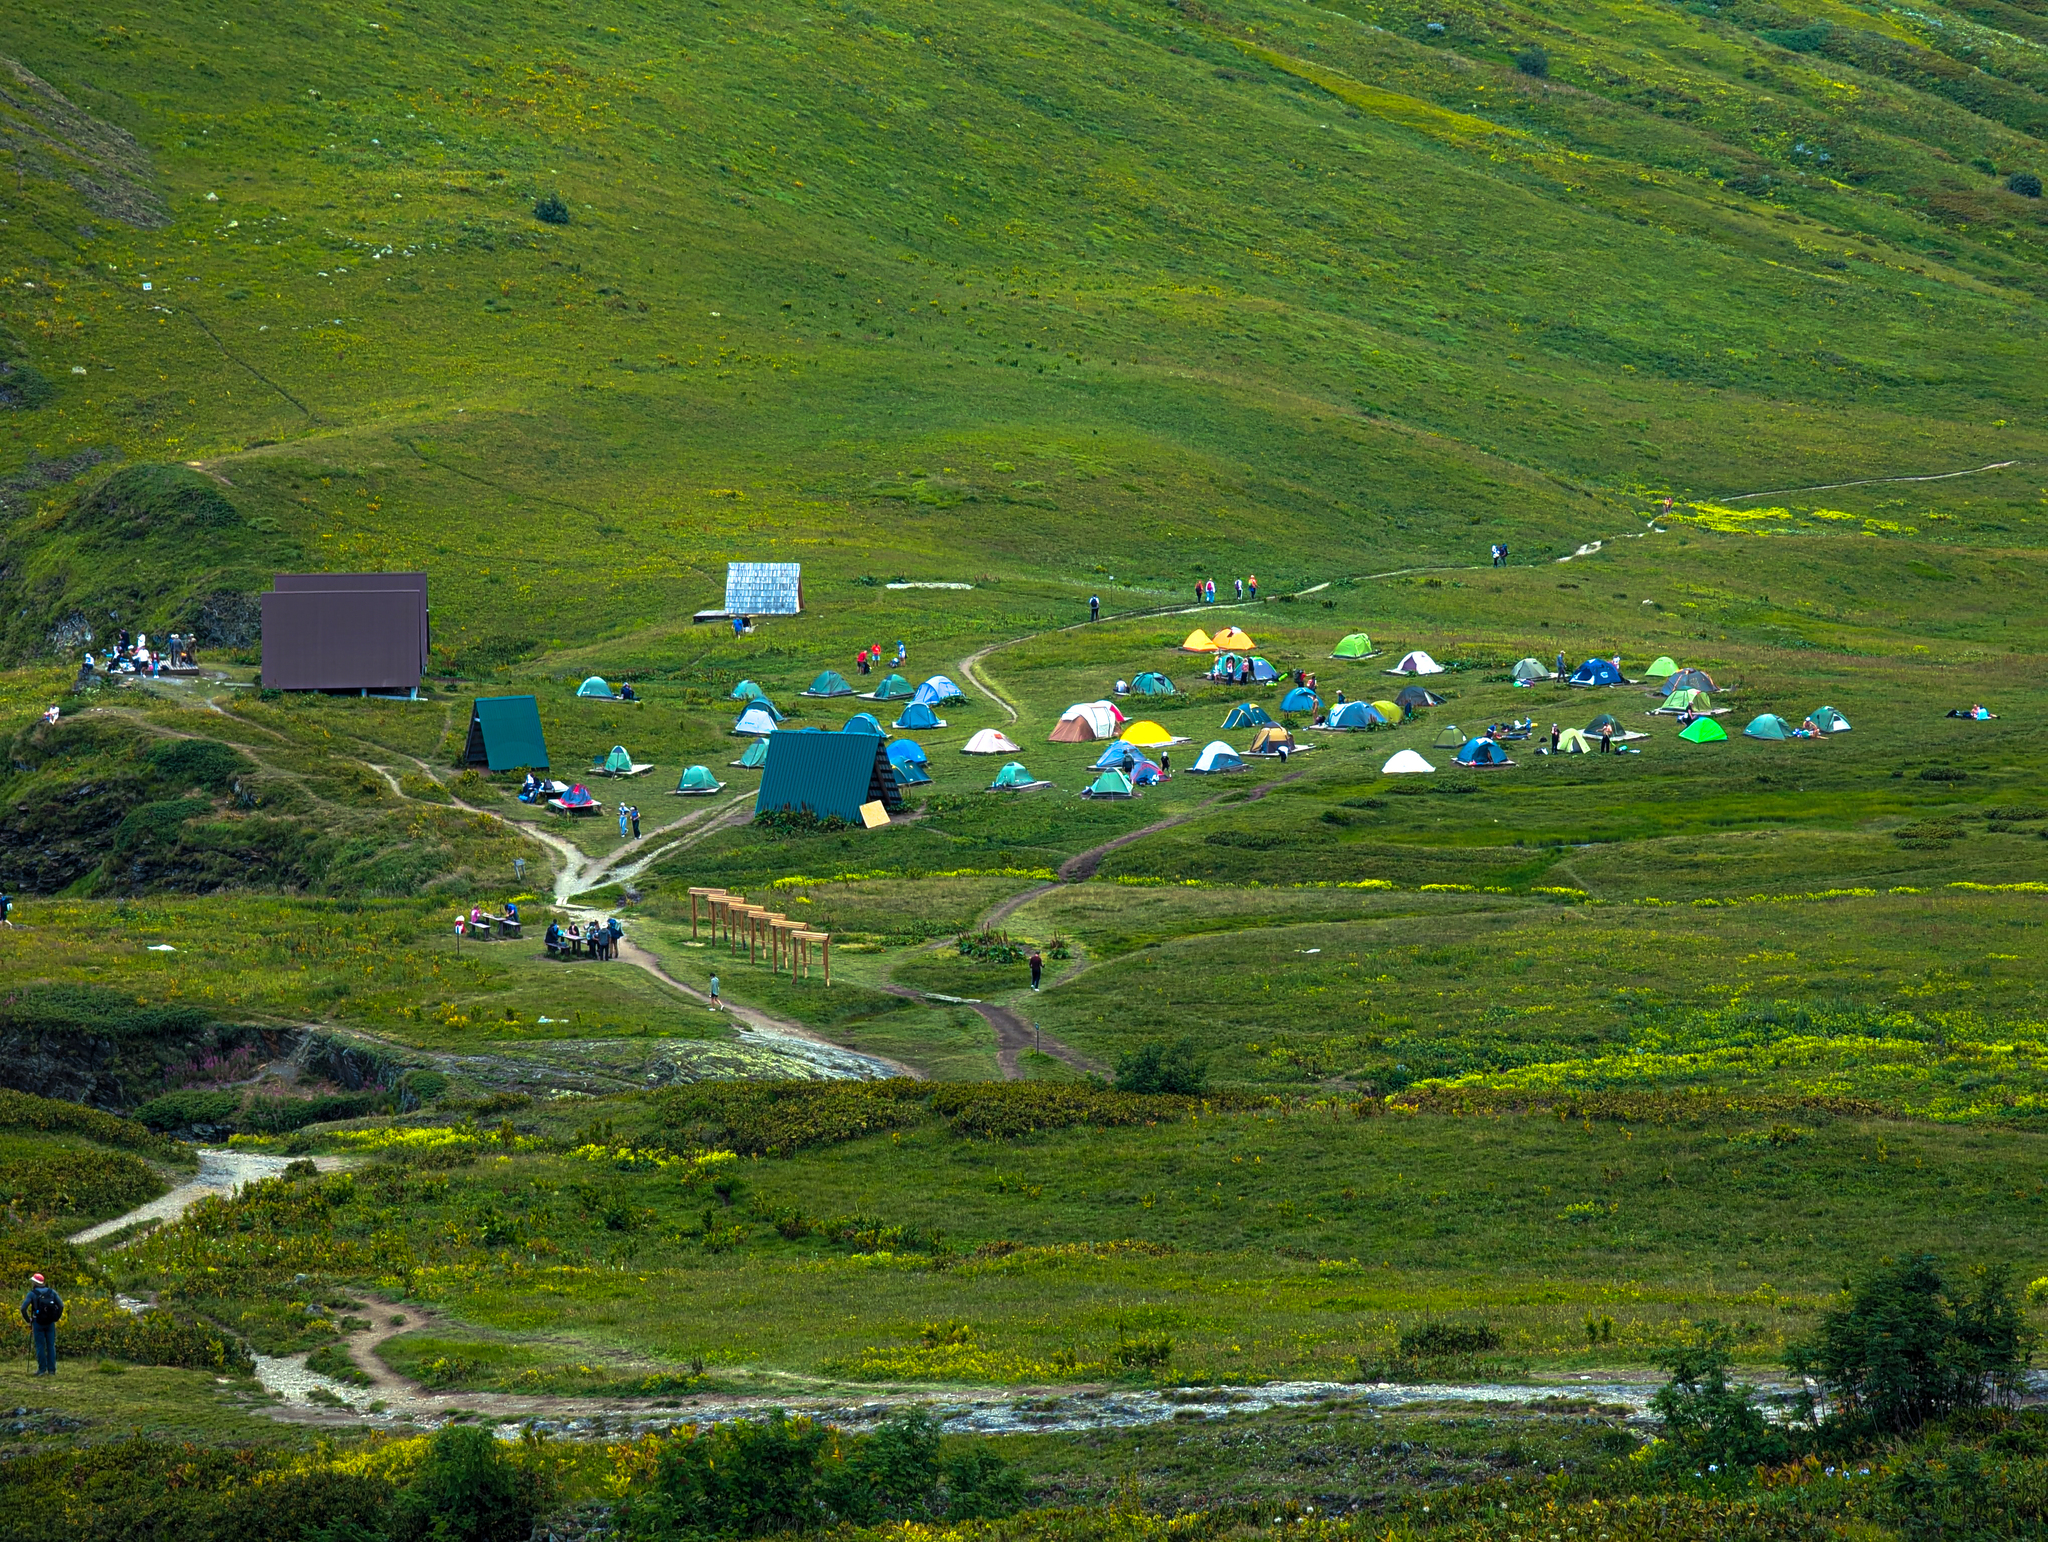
[1273,740]
[1703,731]
[618,762]
[989,741]
[1072,730]
[827,775]
[1448,737]
[1146,734]
[595,686]
[1689,680]
[1416,697]
[918,715]
[1767,725]
[697,782]
[1405,763]
[830,683]
[1100,719]
[746,690]
[906,752]
[1119,756]
[764,588]
[1417,663]
[1300,699]
[1392,711]
[755,757]
[1829,721]
[345,631]
[1198,641]
[1152,683]
[1355,714]
[505,734]
[1144,774]
[1687,701]
[1232,637]
[1661,668]
[912,774]
[862,723]
[895,688]
[1482,752]
[937,691]
[1247,714]
[1595,672]
[1532,669]
[1217,756]
[1014,778]
[1573,741]
[1356,646]
[759,718]
[1111,784]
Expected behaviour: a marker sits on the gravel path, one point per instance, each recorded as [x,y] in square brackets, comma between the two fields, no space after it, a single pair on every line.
[220,1173]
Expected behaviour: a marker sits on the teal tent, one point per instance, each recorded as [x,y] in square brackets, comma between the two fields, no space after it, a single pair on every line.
[830,683]
[1111,784]
[1247,715]
[505,734]
[756,756]
[895,688]
[1152,683]
[1011,777]
[698,780]
[862,723]
[618,760]
[595,686]
[828,775]
[1767,726]
[746,690]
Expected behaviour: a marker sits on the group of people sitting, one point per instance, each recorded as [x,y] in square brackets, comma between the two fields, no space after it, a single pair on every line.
[1977,711]
[600,939]
[136,657]
[480,921]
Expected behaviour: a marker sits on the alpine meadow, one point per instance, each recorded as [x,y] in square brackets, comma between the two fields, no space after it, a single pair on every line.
[1273,765]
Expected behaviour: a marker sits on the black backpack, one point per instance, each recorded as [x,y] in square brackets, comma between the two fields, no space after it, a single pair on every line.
[46,1308]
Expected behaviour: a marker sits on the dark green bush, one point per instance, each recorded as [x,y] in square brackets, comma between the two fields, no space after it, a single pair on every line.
[1708,1422]
[1178,1068]
[138,501]
[2025,183]
[776,1118]
[1445,1340]
[280,1116]
[549,209]
[469,1489]
[1905,1345]
[86,1185]
[22,385]
[25,1111]
[183,763]
[1534,61]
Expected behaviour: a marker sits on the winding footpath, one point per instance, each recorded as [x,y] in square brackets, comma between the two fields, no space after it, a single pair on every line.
[221,1175]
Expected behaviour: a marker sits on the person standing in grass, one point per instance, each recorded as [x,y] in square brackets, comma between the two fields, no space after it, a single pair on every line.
[1251,583]
[635,812]
[622,821]
[1094,607]
[1240,589]
[1037,968]
[42,1308]
[1553,738]
[716,1004]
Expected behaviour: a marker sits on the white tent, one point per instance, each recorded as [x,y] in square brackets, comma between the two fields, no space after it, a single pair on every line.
[1218,756]
[988,742]
[1405,763]
[1112,709]
[755,720]
[1417,663]
[1101,718]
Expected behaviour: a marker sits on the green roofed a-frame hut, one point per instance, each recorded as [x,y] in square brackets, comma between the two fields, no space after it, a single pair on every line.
[829,775]
[505,735]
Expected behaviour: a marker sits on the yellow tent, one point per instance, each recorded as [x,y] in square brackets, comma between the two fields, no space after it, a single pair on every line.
[1231,637]
[1573,741]
[1145,734]
[1392,711]
[1198,641]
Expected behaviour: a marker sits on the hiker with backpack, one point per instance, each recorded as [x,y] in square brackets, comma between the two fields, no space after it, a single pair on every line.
[42,1309]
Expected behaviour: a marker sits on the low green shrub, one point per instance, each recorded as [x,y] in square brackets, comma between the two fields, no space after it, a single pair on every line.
[776,1118]
[1178,1069]
[25,1111]
[80,1184]
[94,1326]
[176,1110]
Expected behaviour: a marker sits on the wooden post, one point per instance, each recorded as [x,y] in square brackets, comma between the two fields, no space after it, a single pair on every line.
[773,942]
[786,931]
[706,894]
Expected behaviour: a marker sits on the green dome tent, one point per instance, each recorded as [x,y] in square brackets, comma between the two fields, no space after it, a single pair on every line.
[1356,646]
[698,780]
[1012,777]
[1111,784]
[1532,669]
[746,690]
[1687,701]
[1663,669]
[895,688]
[830,683]
[595,686]
[1704,731]
[1767,725]
[618,761]
[756,756]
[1829,721]
[1247,715]
[1449,737]
[1152,683]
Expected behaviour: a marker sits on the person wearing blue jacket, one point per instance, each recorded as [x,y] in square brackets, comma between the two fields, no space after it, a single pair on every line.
[41,1309]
